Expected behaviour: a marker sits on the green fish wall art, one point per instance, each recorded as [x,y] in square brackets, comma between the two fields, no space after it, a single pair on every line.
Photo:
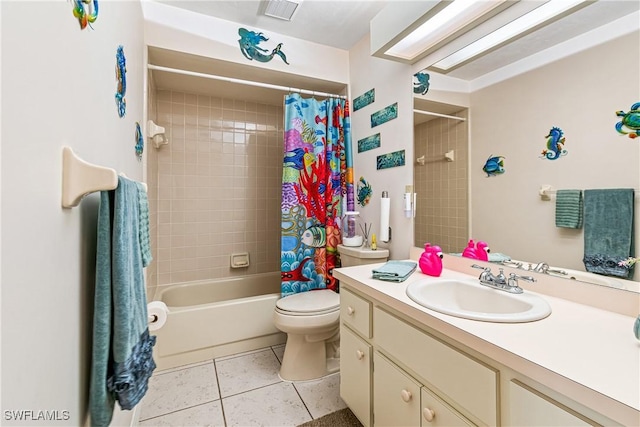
[249,41]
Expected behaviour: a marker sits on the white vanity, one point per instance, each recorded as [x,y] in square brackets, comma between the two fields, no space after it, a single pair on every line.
[405,365]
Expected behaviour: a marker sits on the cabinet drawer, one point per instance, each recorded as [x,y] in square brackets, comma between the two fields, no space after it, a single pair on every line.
[436,413]
[471,385]
[528,407]
[355,374]
[355,312]
[396,396]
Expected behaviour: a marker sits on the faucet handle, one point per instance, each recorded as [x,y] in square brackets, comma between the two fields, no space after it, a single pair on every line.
[515,277]
[513,282]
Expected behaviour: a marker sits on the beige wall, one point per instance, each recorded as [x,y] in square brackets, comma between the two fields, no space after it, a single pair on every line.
[580,94]
[219,185]
[392,83]
[442,186]
[58,89]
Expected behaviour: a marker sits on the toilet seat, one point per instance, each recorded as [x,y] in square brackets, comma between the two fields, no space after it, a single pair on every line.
[311,303]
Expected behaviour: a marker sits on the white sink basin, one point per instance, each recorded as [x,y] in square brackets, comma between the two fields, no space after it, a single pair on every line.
[470,300]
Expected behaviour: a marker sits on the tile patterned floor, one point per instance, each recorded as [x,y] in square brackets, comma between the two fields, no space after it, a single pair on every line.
[239,390]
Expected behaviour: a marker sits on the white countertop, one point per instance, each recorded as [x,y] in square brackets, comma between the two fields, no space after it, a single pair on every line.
[595,350]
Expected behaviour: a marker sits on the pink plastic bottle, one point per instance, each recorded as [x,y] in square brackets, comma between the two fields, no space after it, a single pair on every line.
[482,251]
[470,251]
[431,260]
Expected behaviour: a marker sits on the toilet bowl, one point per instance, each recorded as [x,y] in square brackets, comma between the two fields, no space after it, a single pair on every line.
[311,321]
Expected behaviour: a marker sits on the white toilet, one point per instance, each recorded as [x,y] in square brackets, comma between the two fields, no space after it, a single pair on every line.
[311,321]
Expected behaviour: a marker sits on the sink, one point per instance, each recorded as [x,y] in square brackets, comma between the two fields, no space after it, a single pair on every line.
[471,300]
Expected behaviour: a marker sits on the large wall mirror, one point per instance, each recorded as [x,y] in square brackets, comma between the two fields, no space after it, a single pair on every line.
[457,200]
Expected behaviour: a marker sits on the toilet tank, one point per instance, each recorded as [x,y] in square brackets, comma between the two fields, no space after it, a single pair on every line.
[350,256]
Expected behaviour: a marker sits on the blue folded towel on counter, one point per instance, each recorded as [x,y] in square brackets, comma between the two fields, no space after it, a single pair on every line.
[608,231]
[394,271]
[569,208]
[122,358]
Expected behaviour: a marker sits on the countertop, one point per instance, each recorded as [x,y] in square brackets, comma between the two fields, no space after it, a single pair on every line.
[585,353]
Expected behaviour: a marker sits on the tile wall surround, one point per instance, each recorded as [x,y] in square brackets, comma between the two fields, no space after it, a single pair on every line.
[442,186]
[151,178]
[218,187]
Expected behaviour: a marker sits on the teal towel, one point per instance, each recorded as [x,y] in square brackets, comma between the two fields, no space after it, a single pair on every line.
[122,359]
[145,241]
[394,271]
[608,231]
[569,208]
[498,257]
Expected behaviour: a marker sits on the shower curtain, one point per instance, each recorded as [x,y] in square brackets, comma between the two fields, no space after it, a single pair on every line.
[317,188]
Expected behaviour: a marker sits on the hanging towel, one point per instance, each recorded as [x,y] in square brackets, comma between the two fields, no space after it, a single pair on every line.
[122,347]
[608,231]
[143,232]
[569,208]
[395,271]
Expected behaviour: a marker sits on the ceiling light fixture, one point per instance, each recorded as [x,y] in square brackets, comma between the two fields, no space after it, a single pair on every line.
[282,9]
[452,18]
[514,28]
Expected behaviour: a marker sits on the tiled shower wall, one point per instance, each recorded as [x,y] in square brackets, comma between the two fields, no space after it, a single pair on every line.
[152,188]
[442,186]
[219,185]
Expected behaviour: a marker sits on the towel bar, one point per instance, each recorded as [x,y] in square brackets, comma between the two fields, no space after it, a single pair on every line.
[80,178]
[546,191]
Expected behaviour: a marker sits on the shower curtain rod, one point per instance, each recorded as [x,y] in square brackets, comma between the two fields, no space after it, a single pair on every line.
[430,113]
[243,82]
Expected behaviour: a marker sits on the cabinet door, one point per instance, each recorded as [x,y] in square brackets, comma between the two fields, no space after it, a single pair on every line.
[436,413]
[355,374]
[396,396]
[529,408]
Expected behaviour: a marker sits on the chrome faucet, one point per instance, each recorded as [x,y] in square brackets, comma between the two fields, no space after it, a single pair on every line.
[500,281]
[543,267]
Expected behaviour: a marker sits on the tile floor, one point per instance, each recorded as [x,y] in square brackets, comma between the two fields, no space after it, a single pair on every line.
[238,390]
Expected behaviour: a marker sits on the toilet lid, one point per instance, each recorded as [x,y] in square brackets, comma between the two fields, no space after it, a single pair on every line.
[310,302]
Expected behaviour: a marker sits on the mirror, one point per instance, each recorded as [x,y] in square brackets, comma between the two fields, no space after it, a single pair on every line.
[511,118]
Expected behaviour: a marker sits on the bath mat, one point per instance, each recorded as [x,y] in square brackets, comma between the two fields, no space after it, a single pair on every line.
[342,418]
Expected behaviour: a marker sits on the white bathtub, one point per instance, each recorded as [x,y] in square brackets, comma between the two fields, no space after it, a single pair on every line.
[216,318]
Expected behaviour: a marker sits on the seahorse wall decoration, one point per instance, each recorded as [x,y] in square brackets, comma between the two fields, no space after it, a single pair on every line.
[249,41]
[555,144]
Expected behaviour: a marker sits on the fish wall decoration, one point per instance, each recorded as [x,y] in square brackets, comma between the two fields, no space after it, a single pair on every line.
[494,166]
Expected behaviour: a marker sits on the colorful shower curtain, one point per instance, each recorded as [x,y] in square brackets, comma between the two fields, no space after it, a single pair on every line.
[317,188]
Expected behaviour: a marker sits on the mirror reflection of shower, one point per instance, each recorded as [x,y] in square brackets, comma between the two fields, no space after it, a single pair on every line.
[157,134]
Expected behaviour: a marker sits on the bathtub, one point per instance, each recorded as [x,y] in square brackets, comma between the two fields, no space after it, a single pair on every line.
[215,318]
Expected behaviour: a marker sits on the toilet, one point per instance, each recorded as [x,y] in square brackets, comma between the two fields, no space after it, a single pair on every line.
[311,321]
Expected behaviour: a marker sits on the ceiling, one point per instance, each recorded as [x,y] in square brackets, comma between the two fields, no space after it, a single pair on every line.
[341,24]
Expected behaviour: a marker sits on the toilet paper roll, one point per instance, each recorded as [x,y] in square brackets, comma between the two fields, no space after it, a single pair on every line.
[157,311]
[385,208]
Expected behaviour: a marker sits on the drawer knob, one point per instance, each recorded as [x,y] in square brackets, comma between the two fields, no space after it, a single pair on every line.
[428,414]
[350,310]
[406,395]
[359,354]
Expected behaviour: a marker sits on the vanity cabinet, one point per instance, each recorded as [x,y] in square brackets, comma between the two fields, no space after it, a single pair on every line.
[355,355]
[468,387]
[377,350]
[530,408]
[397,371]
